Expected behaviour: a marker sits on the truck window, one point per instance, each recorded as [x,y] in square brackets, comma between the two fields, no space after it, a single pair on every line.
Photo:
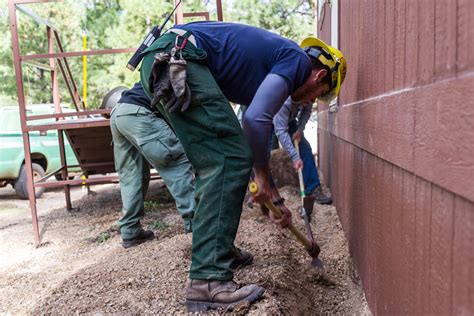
[10,121]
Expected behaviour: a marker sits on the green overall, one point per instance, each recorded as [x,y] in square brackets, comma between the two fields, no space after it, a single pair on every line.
[140,137]
[220,155]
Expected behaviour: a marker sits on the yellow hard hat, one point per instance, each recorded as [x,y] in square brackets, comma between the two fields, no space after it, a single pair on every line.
[330,57]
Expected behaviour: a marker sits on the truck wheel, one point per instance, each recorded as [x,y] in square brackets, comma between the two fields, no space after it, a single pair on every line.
[21,184]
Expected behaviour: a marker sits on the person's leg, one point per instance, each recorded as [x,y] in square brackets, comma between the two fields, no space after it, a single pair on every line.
[160,146]
[219,153]
[129,164]
[310,172]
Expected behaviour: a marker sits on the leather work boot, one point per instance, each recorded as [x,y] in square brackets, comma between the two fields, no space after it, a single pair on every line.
[320,197]
[241,258]
[143,236]
[202,295]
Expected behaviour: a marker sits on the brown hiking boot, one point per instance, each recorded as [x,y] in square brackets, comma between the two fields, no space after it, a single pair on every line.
[241,258]
[202,295]
[320,197]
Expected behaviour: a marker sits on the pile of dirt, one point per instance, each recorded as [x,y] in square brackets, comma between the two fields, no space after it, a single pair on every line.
[282,169]
[83,268]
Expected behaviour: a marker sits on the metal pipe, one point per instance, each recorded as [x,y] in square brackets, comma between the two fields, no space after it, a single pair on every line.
[79,114]
[78,54]
[75,95]
[24,127]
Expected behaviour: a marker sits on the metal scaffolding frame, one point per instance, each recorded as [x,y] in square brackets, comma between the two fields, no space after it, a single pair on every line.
[81,118]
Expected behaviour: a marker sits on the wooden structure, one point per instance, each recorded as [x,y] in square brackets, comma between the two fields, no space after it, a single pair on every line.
[399,152]
[87,131]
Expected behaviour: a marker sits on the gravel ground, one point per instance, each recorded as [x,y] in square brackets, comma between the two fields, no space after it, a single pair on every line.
[82,268]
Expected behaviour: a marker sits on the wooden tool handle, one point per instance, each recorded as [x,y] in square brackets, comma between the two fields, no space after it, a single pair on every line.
[300,173]
[253,188]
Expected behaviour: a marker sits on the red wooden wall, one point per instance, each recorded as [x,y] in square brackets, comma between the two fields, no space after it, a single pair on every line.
[399,153]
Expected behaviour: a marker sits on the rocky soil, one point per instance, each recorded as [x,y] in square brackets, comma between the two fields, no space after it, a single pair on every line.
[82,268]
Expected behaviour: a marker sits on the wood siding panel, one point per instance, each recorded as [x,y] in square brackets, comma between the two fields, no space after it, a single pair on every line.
[384,126]
[370,221]
[379,228]
[405,268]
[426,52]
[361,215]
[391,191]
[397,255]
[400,152]
[445,39]
[403,238]
[344,16]
[443,143]
[378,43]
[351,201]
[323,151]
[422,246]
[363,221]
[335,168]
[367,59]
[373,36]
[399,48]
[442,209]
[344,179]
[359,53]
[463,258]
[438,148]
[388,60]
[411,45]
[465,35]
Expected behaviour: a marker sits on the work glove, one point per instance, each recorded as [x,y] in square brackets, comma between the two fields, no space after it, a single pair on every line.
[182,103]
[182,94]
[159,81]
[168,82]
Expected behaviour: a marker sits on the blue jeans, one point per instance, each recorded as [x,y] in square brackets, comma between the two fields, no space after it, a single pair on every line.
[310,172]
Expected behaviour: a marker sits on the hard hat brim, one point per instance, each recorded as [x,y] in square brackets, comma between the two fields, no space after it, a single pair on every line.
[337,57]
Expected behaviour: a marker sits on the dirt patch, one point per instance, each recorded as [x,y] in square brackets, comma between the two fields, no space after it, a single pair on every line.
[77,271]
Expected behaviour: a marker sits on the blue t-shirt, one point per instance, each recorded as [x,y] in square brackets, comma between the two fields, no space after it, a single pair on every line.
[241,56]
[136,95]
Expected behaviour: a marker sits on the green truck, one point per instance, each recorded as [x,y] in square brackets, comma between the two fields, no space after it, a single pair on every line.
[44,149]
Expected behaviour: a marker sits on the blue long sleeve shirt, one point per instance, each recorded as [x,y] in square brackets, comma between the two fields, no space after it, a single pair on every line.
[290,111]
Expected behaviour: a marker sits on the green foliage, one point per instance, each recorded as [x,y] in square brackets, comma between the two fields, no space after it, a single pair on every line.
[33,39]
[150,206]
[103,237]
[293,19]
[122,24]
[157,225]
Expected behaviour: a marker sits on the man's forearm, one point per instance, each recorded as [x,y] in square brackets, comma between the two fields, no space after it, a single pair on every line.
[258,119]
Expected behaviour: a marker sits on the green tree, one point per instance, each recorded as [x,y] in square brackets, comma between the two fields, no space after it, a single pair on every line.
[120,24]
[33,40]
[293,19]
